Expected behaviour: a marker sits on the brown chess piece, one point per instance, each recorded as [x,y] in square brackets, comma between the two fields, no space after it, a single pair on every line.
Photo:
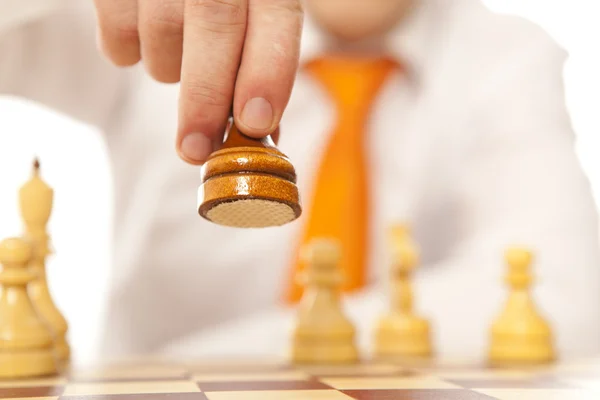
[248,183]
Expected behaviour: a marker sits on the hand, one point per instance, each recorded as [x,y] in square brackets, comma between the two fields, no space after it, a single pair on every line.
[247,47]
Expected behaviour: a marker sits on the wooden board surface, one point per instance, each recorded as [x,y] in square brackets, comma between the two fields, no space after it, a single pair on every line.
[253,380]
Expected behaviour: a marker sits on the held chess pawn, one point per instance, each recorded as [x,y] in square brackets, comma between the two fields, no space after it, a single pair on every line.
[26,342]
[402,334]
[36,200]
[520,335]
[323,334]
[248,183]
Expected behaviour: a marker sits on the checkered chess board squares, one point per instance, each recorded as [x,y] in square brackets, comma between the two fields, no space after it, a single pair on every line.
[274,381]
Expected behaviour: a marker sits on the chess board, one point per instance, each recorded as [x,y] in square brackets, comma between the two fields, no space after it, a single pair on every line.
[265,380]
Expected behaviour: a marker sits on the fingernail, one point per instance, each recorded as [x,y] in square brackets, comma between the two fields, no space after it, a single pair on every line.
[257,114]
[196,147]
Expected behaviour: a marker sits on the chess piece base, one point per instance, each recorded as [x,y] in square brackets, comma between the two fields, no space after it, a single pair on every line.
[62,350]
[326,352]
[249,200]
[40,295]
[15,364]
[403,336]
[521,350]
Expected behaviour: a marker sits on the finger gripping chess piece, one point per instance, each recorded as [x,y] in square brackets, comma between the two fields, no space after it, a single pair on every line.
[323,334]
[36,201]
[26,342]
[401,334]
[248,183]
[520,335]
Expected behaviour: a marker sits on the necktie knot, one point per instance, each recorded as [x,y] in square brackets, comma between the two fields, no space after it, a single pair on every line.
[352,83]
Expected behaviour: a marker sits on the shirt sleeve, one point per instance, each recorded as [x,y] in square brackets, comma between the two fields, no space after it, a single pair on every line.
[49,56]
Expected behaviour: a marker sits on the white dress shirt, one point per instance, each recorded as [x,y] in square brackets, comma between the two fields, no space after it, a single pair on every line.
[472,145]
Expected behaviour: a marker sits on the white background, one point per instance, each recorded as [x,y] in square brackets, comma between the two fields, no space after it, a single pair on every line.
[75,163]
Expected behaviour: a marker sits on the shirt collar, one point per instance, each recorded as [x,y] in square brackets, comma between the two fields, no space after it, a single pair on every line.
[407,43]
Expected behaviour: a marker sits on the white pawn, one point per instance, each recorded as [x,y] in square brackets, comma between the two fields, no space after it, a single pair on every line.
[402,334]
[26,342]
[323,334]
[520,335]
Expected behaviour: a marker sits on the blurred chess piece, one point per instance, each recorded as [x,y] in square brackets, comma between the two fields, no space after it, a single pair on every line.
[402,334]
[248,183]
[323,334]
[36,202]
[520,335]
[26,341]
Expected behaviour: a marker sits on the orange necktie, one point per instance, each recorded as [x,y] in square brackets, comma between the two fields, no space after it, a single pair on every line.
[340,203]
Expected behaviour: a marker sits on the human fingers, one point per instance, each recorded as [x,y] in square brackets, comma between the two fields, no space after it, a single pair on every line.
[160,25]
[212,47]
[117,30]
[269,64]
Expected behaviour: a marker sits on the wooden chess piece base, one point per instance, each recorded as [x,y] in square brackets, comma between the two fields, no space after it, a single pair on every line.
[40,295]
[403,336]
[15,363]
[330,350]
[248,183]
[521,348]
[62,350]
